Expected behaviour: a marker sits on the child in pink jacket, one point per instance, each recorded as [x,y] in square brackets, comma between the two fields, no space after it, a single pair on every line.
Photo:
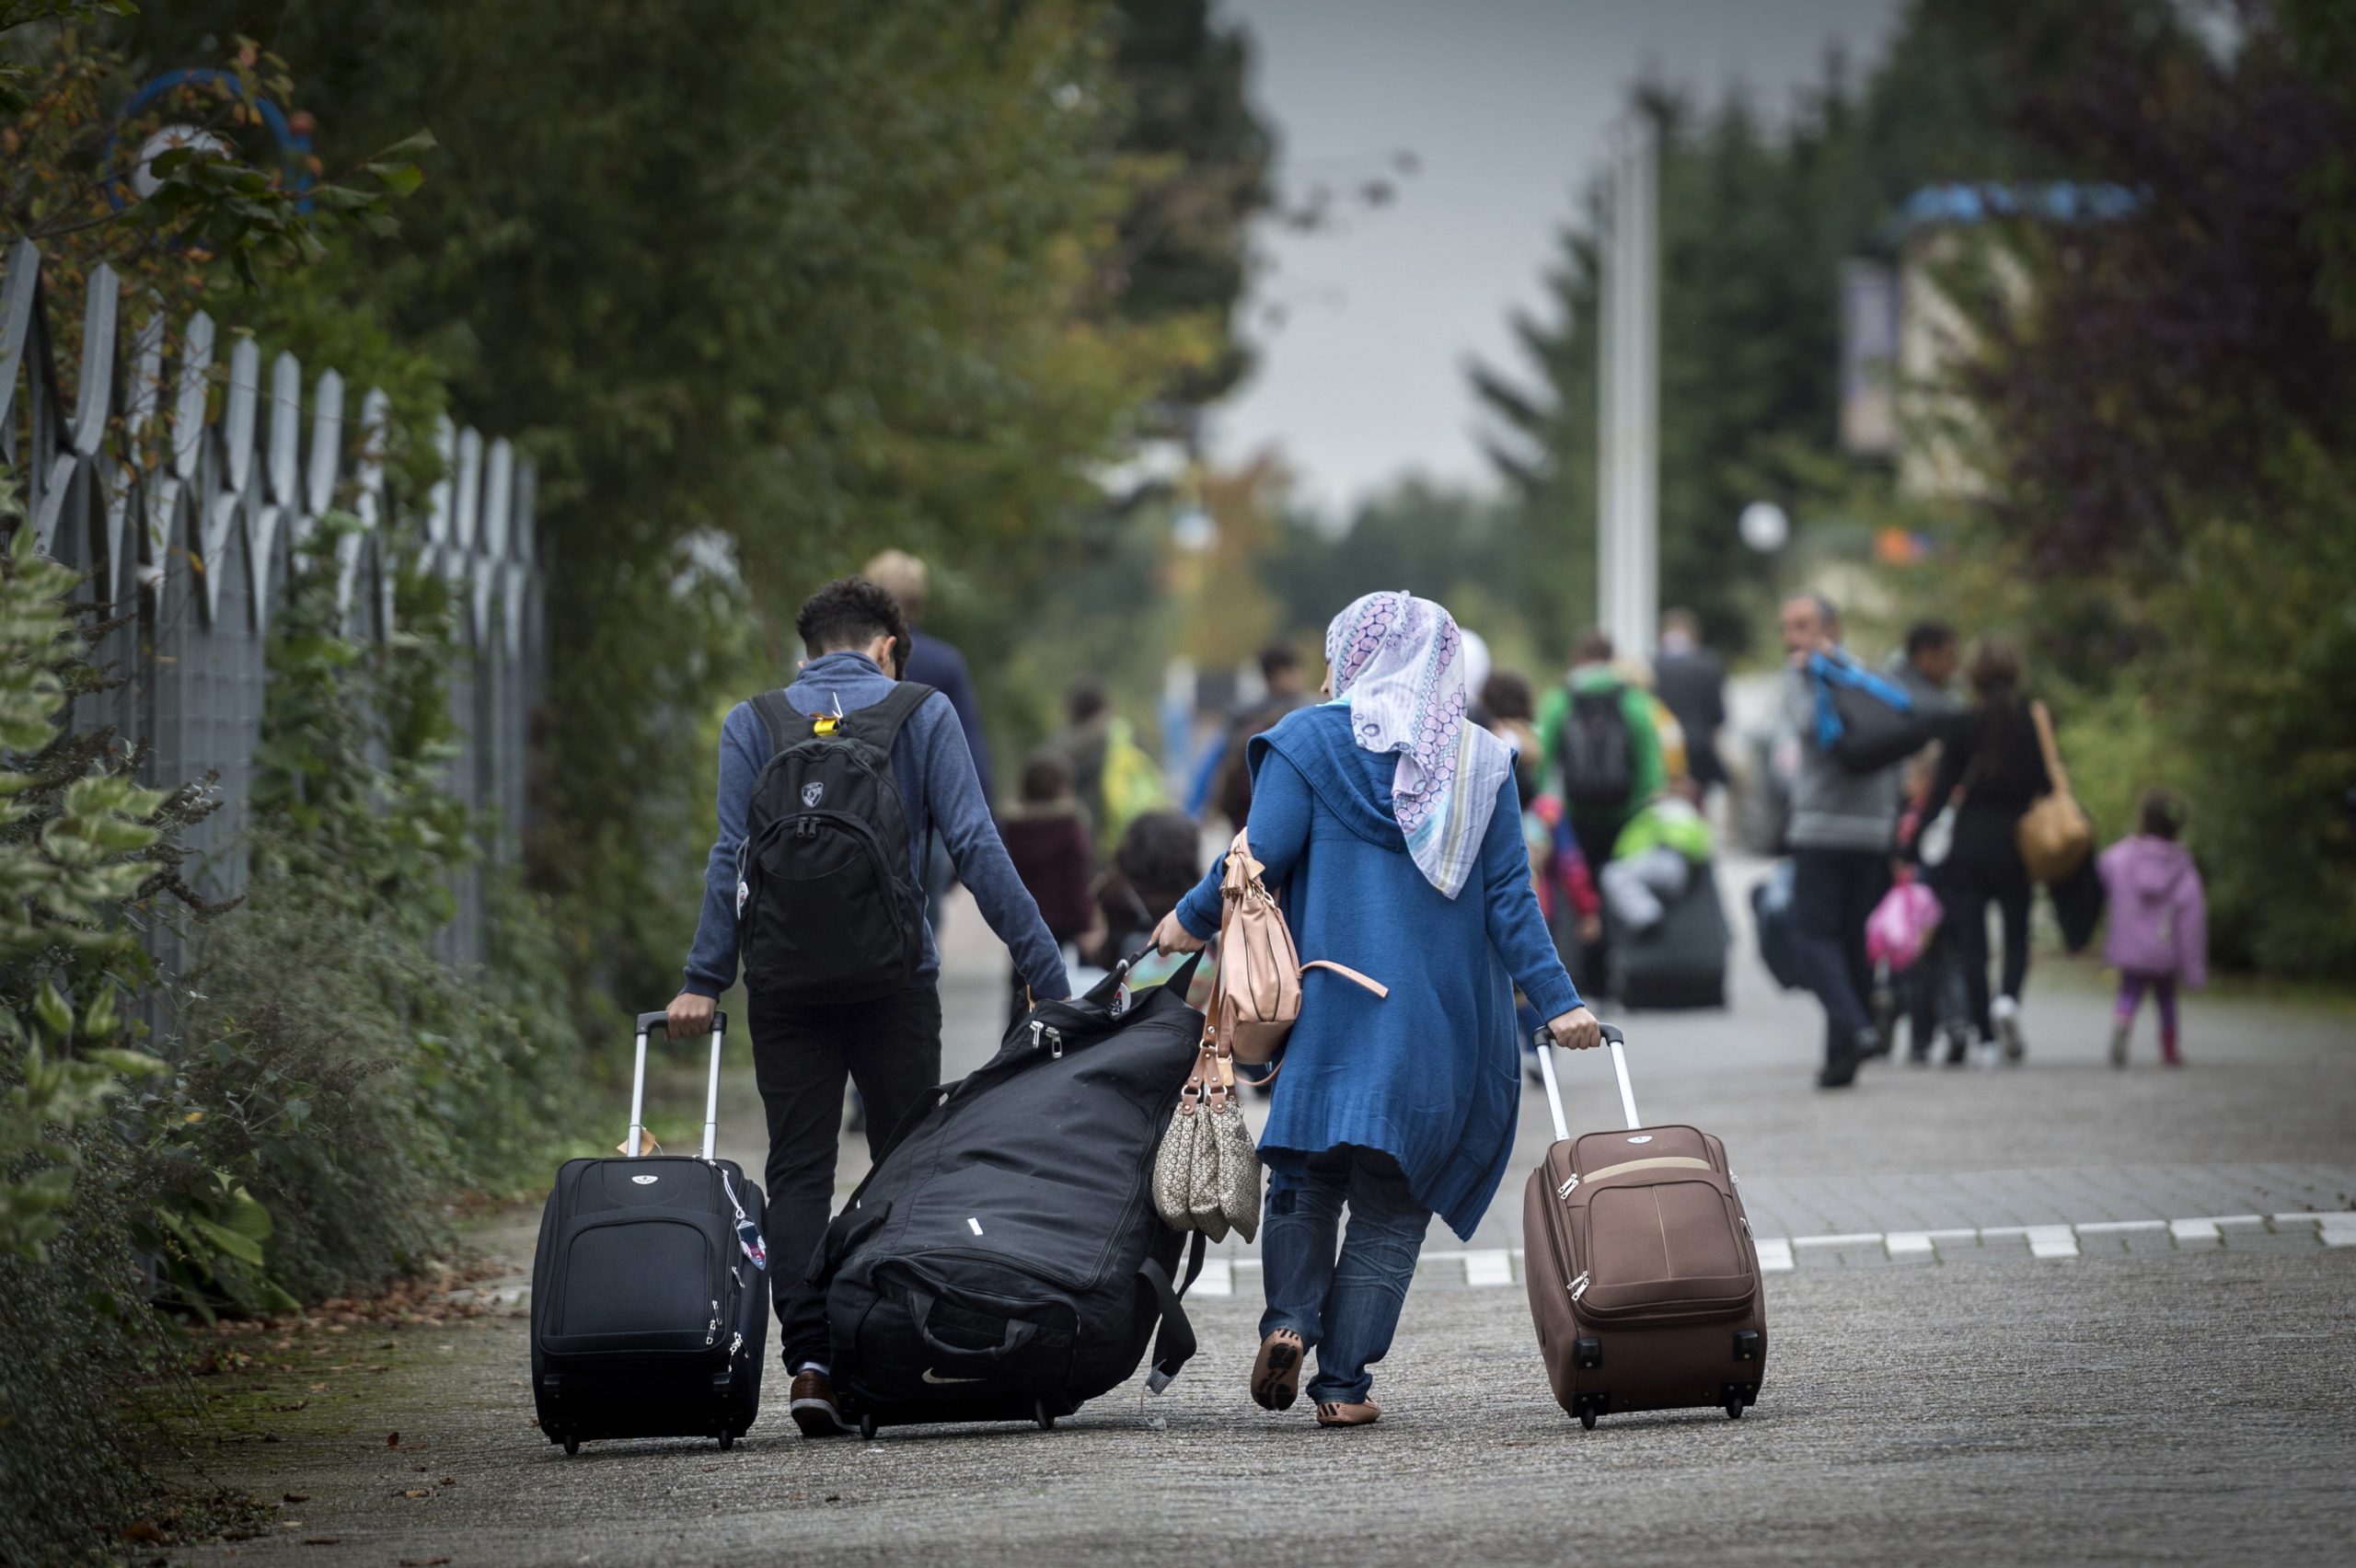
[2159,922]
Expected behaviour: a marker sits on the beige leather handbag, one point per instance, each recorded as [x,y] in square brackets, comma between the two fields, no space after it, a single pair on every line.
[1255,998]
[2054,835]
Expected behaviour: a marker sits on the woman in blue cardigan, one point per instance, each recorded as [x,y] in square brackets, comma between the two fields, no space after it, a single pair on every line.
[1391,829]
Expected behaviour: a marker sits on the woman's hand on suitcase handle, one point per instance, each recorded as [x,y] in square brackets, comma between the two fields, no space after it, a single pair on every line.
[689,1015]
[1172,936]
[1577,1030]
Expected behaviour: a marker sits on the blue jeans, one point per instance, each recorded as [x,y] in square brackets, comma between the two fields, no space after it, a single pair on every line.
[1345,1310]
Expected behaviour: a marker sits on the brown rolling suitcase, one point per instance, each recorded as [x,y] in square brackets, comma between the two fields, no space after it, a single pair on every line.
[1642,1276]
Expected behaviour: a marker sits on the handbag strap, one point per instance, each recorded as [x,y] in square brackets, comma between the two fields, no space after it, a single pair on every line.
[1347,972]
[2054,772]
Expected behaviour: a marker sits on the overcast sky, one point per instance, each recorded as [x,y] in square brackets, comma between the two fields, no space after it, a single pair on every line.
[1505,103]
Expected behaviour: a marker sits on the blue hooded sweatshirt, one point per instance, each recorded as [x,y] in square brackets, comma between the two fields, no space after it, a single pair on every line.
[938,789]
[1431,1074]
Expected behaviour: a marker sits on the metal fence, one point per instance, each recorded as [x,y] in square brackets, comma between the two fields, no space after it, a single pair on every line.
[181,475]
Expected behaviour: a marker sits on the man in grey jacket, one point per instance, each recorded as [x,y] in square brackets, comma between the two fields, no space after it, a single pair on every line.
[1840,838]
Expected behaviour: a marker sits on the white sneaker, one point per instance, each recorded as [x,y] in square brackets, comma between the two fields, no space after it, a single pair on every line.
[1984,1055]
[2005,1013]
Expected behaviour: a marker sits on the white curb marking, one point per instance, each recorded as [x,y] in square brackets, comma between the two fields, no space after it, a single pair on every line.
[2052,1241]
[1490,1268]
[1493,1267]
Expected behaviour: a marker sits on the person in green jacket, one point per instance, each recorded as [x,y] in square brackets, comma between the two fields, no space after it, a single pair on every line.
[1596,731]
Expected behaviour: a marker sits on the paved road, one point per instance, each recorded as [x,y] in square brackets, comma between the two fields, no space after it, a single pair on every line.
[1993,1345]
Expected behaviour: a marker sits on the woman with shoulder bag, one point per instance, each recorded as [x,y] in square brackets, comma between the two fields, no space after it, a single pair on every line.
[1989,752]
[1390,830]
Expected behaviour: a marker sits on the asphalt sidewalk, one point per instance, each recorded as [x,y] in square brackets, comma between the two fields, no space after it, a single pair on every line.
[1996,1339]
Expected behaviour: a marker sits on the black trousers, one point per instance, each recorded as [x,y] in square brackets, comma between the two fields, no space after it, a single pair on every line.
[1832,893]
[802,1053]
[1976,875]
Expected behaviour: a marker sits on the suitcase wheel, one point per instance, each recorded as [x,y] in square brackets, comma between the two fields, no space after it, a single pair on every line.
[1039,1413]
[571,1447]
[867,1427]
[727,1440]
[1735,1408]
[1587,1407]
[1587,1418]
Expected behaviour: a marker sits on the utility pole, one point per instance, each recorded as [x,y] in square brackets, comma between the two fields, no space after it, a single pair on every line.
[1628,422]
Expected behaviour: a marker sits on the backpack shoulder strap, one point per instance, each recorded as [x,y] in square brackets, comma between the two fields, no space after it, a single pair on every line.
[785,722]
[879,724]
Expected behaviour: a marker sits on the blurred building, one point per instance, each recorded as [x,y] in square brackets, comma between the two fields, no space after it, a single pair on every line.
[1906,324]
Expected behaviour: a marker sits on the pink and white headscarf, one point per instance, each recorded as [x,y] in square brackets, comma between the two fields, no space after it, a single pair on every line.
[1399,664]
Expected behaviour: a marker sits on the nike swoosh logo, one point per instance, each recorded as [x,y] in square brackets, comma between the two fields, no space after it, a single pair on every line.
[929,1378]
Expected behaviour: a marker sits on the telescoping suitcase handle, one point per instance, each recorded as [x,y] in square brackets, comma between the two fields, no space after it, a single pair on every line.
[1612,1037]
[653,1020]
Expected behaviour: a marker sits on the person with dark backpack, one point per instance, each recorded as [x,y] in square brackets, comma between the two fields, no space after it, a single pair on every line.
[1596,732]
[830,790]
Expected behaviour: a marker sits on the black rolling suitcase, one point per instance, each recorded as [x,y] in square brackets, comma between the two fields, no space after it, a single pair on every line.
[1681,961]
[650,1289]
[1004,1262]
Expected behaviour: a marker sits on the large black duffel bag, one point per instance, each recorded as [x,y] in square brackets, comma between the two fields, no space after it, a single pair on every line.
[1004,1262]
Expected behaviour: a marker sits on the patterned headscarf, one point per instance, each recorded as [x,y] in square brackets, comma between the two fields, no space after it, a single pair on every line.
[1399,663]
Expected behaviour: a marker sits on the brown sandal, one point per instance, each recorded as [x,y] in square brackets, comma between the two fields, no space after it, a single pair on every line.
[1276,1375]
[1365,1414]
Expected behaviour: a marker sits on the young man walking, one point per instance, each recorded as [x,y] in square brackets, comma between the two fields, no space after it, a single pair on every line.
[1840,837]
[841,975]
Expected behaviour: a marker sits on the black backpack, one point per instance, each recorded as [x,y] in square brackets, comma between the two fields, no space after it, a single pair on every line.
[1004,1262]
[1597,752]
[824,908]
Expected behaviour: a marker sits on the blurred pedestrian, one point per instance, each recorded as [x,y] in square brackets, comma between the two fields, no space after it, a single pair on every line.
[1087,717]
[1929,991]
[1690,681]
[1597,733]
[2159,922]
[1840,838]
[1567,894]
[1159,860]
[1047,838]
[930,660]
[1287,688]
[1401,1105]
[1926,666]
[1991,768]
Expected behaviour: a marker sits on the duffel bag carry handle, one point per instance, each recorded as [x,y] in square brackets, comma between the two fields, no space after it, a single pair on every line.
[1020,1332]
[1617,1041]
[1105,990]
[635,1146]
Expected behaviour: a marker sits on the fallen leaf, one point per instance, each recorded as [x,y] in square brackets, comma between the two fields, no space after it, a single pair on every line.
[289,1408]
[392,1439]
[449,1481]
[322,1541]
[297,1497]
[144,1531]
[417,1491]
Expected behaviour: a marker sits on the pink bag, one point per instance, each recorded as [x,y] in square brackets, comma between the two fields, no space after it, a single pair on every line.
[1901,924]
